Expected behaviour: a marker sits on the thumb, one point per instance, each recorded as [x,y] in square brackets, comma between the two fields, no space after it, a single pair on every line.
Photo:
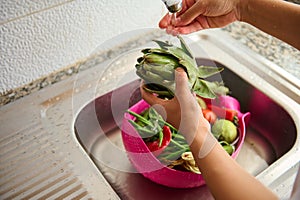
[181,80]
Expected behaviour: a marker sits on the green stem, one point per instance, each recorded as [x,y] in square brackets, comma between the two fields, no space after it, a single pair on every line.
[160,136]
[178,136]
[179,145]
[141,130]
[140,118]
[175,155]
[169,125]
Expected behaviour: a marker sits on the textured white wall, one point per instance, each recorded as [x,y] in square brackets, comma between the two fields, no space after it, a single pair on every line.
[38,37]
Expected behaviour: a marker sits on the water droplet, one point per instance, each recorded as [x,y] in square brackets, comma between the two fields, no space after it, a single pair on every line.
[43,113]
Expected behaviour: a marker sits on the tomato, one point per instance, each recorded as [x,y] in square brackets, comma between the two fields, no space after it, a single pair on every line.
[209,115]
[224,113]
[154,146]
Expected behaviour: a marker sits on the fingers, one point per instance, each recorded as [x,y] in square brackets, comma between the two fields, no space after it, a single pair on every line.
[150,98]
[197,15]
[190,14]
[189,19]
[193,27]
[165,21]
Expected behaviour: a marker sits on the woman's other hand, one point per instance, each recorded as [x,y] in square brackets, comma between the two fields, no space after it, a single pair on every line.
[201,14]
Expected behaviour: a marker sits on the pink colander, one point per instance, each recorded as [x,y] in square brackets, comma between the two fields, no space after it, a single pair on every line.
[150,167]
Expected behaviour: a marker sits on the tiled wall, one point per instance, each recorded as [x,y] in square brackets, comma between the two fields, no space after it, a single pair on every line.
[38,37]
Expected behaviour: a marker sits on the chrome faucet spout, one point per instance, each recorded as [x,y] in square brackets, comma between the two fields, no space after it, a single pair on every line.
[173,5]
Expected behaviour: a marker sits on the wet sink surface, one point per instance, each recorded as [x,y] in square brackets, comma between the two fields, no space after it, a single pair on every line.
[271,134]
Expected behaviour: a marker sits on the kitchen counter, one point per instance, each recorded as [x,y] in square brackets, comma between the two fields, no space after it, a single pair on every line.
[267,46]
[40,154]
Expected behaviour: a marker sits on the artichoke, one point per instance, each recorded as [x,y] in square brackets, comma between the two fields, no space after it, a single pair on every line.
[156,67]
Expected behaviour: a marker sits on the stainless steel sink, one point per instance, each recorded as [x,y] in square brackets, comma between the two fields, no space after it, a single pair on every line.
[271,147]
[69,132]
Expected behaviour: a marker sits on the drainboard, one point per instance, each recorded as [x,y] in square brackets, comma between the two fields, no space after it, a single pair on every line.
[270,148]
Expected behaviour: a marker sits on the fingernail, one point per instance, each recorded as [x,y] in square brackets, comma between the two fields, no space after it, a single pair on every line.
[179,70]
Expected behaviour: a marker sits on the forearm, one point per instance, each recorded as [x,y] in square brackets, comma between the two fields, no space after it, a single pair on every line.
[225,178]
[275,17]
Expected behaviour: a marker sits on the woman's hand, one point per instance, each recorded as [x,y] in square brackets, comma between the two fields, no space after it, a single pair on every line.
[183,111]
[201,14]
[268,16]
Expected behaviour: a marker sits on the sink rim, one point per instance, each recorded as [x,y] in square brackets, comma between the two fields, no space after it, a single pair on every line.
[290,158]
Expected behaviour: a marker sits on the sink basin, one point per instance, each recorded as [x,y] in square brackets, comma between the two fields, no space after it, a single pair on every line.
[270,146]
[69,131]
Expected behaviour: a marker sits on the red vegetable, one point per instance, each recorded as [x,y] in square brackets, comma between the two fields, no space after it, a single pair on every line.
[225,113]
[209,115]
[154,146]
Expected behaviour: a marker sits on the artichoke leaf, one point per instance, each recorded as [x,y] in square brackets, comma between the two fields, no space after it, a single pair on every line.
[202,89]
[207,71]
[163,71]
[162,44]
[149,77]
[158,58]
[180,59]
[218,88]
[191,71]
[185,47]
[182,56]
[159,51]
[181,53]
[145,51]
[178,53]
[154,78]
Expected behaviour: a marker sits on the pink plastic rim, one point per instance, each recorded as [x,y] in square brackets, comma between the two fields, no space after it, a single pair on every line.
[150,167]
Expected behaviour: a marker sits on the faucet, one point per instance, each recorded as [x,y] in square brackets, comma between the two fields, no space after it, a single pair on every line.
[173,5]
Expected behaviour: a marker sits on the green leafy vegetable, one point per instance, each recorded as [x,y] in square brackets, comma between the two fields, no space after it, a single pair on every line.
[156,67]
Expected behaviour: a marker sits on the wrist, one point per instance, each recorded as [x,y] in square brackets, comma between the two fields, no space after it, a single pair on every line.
[203,144]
